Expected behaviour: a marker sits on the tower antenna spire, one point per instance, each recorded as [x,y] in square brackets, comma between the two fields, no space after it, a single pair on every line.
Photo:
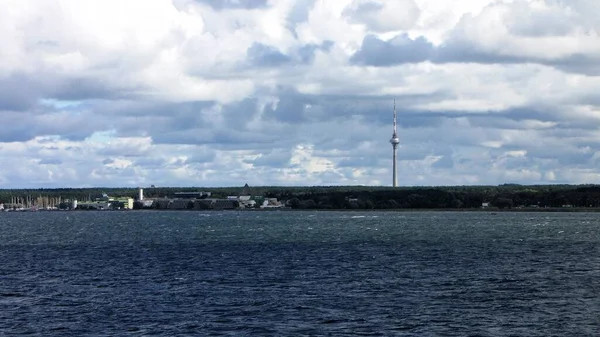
[394,116]
[394,141]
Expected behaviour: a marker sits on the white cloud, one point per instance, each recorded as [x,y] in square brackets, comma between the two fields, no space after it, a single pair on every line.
[384,16]
[188,92]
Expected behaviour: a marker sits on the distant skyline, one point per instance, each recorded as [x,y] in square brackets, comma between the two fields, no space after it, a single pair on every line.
[222,93]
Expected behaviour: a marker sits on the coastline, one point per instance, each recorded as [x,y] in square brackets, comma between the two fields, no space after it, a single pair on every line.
[399,210]
[480,210]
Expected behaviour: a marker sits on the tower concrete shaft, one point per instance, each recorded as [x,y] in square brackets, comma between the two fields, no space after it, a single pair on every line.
[394,141]
[395,168]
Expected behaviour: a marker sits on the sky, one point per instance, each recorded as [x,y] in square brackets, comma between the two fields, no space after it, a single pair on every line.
[133,93]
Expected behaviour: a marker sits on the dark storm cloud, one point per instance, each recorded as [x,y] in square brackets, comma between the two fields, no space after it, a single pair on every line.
[540,25]
[402,49]
[237,115]
[144,118]
[50,161]
[22,92]
[517,163]
[577,137]
[69,126]
[16,133]
[82,88]
[299,14]
[563,153]
[186,123]
[242,125]
[512,118]
[185,116]
[290,108]
[220,139]
[261,55]
[419,119]
[446,162]
[579,64]
[126,150]
[419,148]
[149,125]
[306,53]
[372,14]
[541,112]
[570,158]
[372,161]
[205,156]
[45,121]
[274,158]
[150,162]
[460,51]
[136,109]
[295,107]
[398,50]
[196,122]
[379,110]
[226,137]
[182,136]
[228,127]
[19,92]
[235,4]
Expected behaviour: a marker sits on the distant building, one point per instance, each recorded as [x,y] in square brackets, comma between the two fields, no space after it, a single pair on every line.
[127,202]
[246,201]
[106,202]
[198,204]
[271,203]
[225,204]
[191,195]
[99,205]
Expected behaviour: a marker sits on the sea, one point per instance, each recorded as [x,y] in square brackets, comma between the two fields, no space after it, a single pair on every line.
[299,273]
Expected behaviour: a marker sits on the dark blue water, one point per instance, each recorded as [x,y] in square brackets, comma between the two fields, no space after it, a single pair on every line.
[299,274]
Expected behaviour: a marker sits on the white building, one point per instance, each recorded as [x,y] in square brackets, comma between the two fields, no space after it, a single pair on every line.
[271,203]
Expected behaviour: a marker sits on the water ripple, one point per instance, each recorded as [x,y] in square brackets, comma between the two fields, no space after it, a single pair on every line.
[299,274]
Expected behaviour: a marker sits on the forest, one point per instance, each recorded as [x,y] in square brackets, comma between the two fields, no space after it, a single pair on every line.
[507,196]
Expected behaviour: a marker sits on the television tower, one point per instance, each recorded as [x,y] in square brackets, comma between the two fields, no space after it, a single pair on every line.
[395,141]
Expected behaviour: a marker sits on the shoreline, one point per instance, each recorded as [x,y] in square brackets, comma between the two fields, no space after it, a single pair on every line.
[488,210]
[399,210]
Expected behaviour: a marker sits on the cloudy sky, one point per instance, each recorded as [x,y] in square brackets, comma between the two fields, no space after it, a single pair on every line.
[283,92]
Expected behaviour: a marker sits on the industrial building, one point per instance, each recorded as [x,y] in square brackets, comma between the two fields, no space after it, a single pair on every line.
[188,200]
[105,202]
[203,201]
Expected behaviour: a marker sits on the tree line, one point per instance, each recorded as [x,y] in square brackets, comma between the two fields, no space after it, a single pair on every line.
[360,197]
